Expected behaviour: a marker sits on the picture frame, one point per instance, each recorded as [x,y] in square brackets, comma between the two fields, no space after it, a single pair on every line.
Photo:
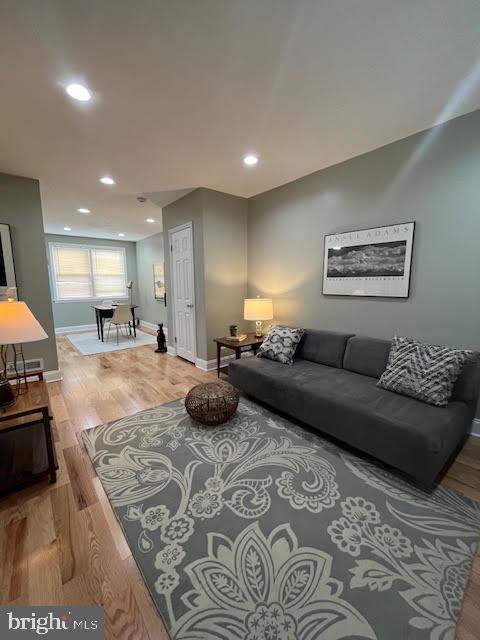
[159,290]
[374,262]
[7,264]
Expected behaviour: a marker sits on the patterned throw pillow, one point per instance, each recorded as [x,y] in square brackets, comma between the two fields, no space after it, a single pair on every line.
[281,344]
[423,371]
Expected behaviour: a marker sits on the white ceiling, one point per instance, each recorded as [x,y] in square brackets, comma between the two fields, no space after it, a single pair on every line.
[182,89]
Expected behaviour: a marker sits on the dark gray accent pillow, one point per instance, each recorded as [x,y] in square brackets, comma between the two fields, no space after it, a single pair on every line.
[423,371]
[281,344]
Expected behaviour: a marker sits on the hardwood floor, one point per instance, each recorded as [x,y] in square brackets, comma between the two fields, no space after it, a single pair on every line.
[61,544]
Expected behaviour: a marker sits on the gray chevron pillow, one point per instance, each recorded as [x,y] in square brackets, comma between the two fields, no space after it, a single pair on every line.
[281,344]
[423,371]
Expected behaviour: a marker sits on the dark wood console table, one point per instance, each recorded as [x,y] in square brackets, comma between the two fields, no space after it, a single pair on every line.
[31,410]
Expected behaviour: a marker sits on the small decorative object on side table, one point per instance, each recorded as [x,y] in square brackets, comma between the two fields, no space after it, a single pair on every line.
[251,343]
[31,409]
[212,403]
[162,346]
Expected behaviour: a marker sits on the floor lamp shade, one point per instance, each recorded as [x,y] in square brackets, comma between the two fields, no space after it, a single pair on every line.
[18,324]
[258,309]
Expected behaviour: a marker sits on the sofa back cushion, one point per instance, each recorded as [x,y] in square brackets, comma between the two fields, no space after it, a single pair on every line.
[324,347]
[467,386]
[367,356]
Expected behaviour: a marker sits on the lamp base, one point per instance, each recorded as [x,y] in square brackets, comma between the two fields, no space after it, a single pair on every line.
[7,399]
[258,329]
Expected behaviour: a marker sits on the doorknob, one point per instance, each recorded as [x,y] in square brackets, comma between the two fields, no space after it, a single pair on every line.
[189,306]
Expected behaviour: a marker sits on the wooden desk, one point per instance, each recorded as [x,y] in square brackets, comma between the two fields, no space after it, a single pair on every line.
[251,343]
[31,408]
[104,311]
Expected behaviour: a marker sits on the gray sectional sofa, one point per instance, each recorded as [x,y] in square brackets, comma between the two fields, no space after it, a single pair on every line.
[332,387]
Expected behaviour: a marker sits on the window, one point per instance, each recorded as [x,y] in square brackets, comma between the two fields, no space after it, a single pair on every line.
[82,272]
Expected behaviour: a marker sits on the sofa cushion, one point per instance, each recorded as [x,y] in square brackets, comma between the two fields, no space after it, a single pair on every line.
[468,382]
[324,347]
[423,371]
[403,432]
[367,356]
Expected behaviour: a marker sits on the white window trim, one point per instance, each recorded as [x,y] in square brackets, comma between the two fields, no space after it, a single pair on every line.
[53,282]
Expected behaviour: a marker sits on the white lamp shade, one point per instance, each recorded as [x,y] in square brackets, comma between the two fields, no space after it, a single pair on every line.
[18,324]
[258,309]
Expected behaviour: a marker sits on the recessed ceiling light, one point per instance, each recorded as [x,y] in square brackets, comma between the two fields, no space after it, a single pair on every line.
[83,210]
[149,220]
[78,92]
[122,235]
[67,228]
[107,180]
[250,160]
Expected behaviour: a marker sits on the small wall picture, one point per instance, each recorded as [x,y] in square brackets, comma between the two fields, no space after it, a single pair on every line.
[7,267]
[159,281]
[369,262]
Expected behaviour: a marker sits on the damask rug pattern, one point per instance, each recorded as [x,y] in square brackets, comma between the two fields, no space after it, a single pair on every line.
[260,530]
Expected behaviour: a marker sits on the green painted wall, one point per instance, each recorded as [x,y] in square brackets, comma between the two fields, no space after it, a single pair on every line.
[225,251]
[432,178]
[149,250]
[220,258]
[186,209]
[71,314]
[21,208]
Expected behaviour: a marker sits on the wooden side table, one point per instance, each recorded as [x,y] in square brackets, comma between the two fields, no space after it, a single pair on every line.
[251,343]
[31,408]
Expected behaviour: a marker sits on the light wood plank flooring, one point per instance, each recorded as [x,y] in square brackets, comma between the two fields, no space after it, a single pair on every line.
[61,544]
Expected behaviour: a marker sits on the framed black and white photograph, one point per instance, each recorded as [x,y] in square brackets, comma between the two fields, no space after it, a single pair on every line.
[369,262]
[7,267]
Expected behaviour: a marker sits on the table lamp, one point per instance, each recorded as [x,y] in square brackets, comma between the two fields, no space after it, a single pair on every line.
[17,325]
[258,309]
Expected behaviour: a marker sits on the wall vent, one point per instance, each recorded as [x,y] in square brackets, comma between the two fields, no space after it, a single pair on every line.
[30,365]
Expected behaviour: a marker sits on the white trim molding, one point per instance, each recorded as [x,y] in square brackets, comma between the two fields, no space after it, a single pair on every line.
[151,325]
[171,350]
[79,328]
[53,376]
[475,430]
[211,365]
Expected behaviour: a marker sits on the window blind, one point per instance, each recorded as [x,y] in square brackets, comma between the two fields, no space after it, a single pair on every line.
[108,273]
[81,272]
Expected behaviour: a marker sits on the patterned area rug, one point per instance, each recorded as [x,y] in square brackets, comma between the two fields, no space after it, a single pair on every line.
[259,530]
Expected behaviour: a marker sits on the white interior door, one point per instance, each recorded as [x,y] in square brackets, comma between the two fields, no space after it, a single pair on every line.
[183,281]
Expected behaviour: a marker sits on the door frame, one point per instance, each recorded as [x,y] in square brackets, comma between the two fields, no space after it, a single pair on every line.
[181,227]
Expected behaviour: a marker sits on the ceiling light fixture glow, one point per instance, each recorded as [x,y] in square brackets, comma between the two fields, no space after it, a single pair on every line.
[122,235]
[107,180]
[149,220]
[78,92]
[67,228]
[83,210]
[250,160]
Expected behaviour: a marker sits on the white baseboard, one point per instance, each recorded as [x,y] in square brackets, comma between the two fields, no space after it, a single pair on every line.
[211,365]
[151,325]
[79,328]
[53,376]
[475,430]
[171,350]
